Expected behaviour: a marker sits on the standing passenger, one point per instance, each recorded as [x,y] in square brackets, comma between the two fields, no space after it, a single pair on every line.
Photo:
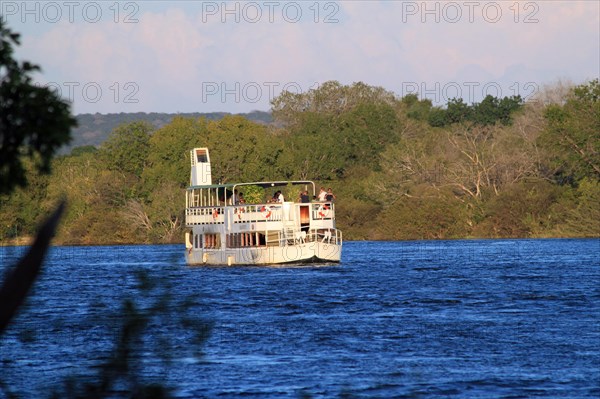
[329,196]
[304,198]
[278,197]
[322,195]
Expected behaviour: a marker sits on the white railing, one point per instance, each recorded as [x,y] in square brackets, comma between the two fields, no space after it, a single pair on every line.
[257,213]
[330,236]
[323,211]
[204,215]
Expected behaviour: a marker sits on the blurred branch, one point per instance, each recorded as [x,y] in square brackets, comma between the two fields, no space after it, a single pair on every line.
[20,279]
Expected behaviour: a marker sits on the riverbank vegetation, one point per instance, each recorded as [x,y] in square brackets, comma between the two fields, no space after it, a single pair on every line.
[401,168]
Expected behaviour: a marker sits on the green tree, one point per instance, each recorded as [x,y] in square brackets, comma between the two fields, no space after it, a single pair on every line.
[330,98]
[127,147]
[492,110]
[169,152]
[23,209]
[437,117]
[242,150]
[458,111]
[488,112]
[415,108]
[96,196]
[335,127]
[580,215]
[311,150]
[521,210]
[74,178]
[34,121]
[166,212]
[433,214]
[572,135]
[363,132]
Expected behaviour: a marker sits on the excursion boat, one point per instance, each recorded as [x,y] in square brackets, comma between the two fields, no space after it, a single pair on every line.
[221,229]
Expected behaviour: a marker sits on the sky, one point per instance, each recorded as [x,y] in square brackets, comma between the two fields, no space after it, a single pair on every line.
[236,56]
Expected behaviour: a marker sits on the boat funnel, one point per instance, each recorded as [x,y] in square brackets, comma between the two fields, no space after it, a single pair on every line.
[200,175]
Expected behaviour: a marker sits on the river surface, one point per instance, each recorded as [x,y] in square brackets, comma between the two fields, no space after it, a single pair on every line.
[473,318]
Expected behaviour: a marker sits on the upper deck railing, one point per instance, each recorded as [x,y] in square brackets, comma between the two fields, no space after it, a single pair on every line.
[287,211]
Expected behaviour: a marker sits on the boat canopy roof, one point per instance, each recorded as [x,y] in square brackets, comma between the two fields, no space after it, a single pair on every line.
[263,184]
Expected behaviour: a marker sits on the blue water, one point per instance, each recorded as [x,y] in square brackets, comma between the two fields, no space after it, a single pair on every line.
[477,319]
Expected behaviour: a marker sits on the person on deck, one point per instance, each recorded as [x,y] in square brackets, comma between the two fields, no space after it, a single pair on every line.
[322,195]
[279,197]
[240,199]
[329,196]
[304,198]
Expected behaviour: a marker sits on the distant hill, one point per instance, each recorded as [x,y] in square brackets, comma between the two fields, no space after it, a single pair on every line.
[93,129]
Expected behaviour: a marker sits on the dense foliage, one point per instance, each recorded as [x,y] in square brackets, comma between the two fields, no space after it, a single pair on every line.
[401,168]
[34,121]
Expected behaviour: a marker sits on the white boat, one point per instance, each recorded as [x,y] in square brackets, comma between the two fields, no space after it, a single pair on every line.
[222,231]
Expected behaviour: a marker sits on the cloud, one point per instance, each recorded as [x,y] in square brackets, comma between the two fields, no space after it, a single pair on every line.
[175,51]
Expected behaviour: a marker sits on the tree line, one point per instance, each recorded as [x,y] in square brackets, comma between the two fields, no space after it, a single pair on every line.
[401,168]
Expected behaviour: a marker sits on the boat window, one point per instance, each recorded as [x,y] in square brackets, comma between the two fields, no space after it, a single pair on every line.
[201,155]
[212,241]
[246,239]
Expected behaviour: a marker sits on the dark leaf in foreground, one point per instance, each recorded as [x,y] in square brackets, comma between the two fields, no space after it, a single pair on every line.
[20,279]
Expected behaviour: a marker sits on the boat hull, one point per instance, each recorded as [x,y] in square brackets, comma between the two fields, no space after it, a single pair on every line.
[315,252]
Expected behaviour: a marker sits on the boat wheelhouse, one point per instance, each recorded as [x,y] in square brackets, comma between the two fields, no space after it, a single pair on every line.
[222,229]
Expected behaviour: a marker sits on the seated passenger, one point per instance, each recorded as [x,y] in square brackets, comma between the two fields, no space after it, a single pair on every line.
[241,199]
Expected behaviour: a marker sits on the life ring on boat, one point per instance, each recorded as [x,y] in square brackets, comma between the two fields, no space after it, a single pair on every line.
[215,214]
[324,211]
[266,211]
[239,212]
